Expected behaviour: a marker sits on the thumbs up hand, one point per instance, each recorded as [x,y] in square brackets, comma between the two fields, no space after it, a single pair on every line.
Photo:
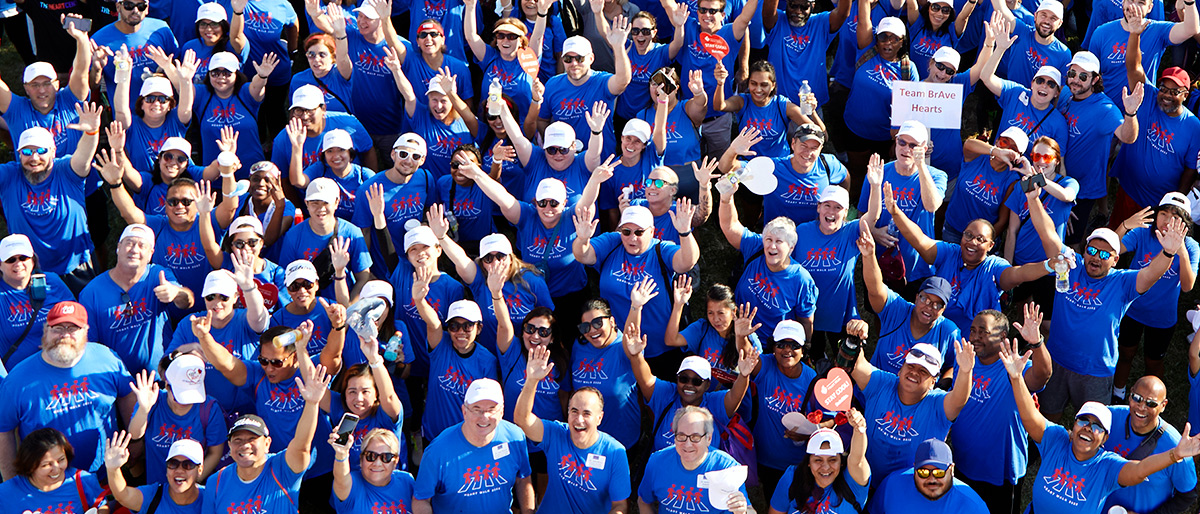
[165,291]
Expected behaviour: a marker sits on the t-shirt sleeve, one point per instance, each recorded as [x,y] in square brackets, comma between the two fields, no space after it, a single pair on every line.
[646,488]
[1008,89]
[427,478]
[8,406]
[618,487]
[751,244]
[880,381]
[779,498]
[692,334]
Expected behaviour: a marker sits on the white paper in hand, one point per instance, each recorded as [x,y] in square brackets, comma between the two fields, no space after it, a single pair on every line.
[797,422]
[760,176]
[724,482]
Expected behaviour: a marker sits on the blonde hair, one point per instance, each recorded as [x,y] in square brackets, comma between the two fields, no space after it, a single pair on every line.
[386,436]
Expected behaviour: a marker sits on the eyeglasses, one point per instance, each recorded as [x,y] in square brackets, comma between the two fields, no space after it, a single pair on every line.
[944,9]
[30,151]
[1083,75]
[299,284]
[1174,91]
[900,143]
[596,323]
[16,258]
[246,243]
[275,363]
[541,331]
[1042,158]
[556,150]
[1103,254]
[1043,80]
[925,300]
[695,438]
[220,73]
[66,328]
[405,154]
[373,456]
[887,37]
[459,326]
[456,165]
[706,10]
[568,59]
[641,32]
[129,6]
[659,183]
[1153,404]
[926,473]
[788,344]
[428,33]
[968,237]
[314,54]
[547,203]
[1094,426]
[156,99]
[492,257]
[175,202]
[626,232]
[944,67]
[931,359]
[187,465]
[215,297]
[692,381]
[509,36]
[169,157]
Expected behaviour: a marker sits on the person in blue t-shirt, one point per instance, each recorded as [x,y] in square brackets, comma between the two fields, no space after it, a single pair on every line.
[599,361]
[322,72]
[41,477]
[568,94]
[680,143]
[499,60]
[825,247]
[246,235]
[434,52]
[712,337]
[881,61]
[556,158]
[156,114]
[675,479]
[647,57]
[1109,40]
[441,117]
[929,487]
[309,106]
[465,198]
[173,161]
[661,186]
[479,465]
[934,26]
[366,390]
[983,186]
[1193,376]
[1029,107]
[1104,12]
[336,163]
[803,175]
[638,158]
[800,39]
[376,484]
[302,285]
[1138,430]
[591,468]
[833,482]
[179,493]
[945,68]
[1036,45]
[27,306]
[764,109]
[783,380]
[138,33]
[226,98]
[47,105]
[212,31]
[350,260]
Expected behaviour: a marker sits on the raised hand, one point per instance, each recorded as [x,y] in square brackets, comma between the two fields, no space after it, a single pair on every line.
[495,283]
[706,172]
[369,346]
[267,66]
[1134,20]
[865,243]
[437,220]
[242,261]
[391,59]
[296,132]
[337,19]
[889,198]
[539,365]
[1004,37]
[1189,445]
[1133,100]
[598,117]
[89,117]
[1139,219]
[503,153]
[720,73]
[229,138]
[383,8]
[681,216]
[606,169]
[116,453]
[336,312]
[315,382]
[339,251]
[447,81]
[858,328]
[187,67]
[856,420]
[743,320]
[145,389]
[585,221]
[680,15]
[106,163]
[165,291]
[161,58]
[964,355]
[1014,363]
[618,33]
[682,292]
[375,200]
[635,342]
[1173,237]
[201,325]
[875,170]
[420,287]
[1033,321]
[341,452]
[747,361]
[695,77]
[747,138]
[206,198]
[642,292]
[116,135]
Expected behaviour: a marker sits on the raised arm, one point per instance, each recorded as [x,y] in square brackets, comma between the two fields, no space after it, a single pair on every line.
[585,227]
[257,317]
[145,390]
[964,354]
[719,102]
[689,251]
[342,482]
[463,264]
[1136,472]
[596,119]
[1014,364]
[1004,40]
[747,362]
[312,388]
[402,83]
[865,31]
[470,32]
[679,19]
[504,326]
[600,174]
[237,26]
[1135,22]
[516,136]
[185,70]
[1039,373]
[696,107]
[1127,132]
[618,34]
[388,400]
[923,244]
[116,455]
[742,22]
[111,169]
[508,205]
[1188,25]
[877,291]
[635,346]
[856,460]
[420,288]
[262,72]
[123,66]
[341,51]
[89,124]
[985,52]
[80,67]
[450,86]
[681,293]
[222,360]
[1042,223]
[1171,240]
[705,173]
[537,369]
[964,15]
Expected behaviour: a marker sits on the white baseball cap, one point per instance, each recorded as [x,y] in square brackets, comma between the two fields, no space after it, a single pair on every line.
[559,134]
[420,235]
[1099,410]
[637,128]
[822,436]
[638,215]
[1086,61]
[1173,198]
[1017,136]
[915,130]
[697,364]
[300,270]
[188,449]
[1106,235]
[411,141]
[211,11]
[484,389]
[930,352]
[890,24]
[307,96]
[465,309]
[36,137]
[789,329]
[578,45]
[176,143]
[1053,6]
[138,230]
[224,61]
[435,87]
[377,289]
[336,138]
[220,282]
[39,69]
[551,189]
[947,56]
[947,2]
[495,243]
[322,189]
[15,244]
[244,224]
[159,85]
[367,11]
[185,375]
[1049,72]
[835,193]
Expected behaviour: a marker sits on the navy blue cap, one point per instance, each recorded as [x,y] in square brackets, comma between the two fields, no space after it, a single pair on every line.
[934,451]
[938,287]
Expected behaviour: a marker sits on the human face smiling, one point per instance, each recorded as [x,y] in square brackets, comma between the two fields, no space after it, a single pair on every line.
[711,14]
[976,243]
[576,66]
[535,338]
[1080,82]
[366,25]
[634,243]
[825,468]
[761,86]
[220,305]
[888,45]
[320,58]
[1046,23]
[601,336]
[51,469]
[550,211]
[64,342]
[338,159]
[939,72]
[690,387]
[1147,401]
[776,250]
[42,92]
[181,204]
[664,193]
[209,32]
[431,42]
[1045,89]
[222,79]
[180,480]
[632,147]
[36,162]
[320,210]
[639,36]
[692,453]
[904,149]
[1171,96]
[798,12]
[584,414]
[247,449]
[361,395]
[378,473]
[439,106]
[933,487]
[806,152]
[421,256]
[463,338]
[788,353]
[1040,165]
[171,165]
[928,308]
[19,270]
[939,14]
[831,215]
[1087,436]
[133,252]
[481,418]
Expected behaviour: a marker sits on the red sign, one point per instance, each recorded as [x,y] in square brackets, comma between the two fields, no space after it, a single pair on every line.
[714,44]
[529,62]
[834,391]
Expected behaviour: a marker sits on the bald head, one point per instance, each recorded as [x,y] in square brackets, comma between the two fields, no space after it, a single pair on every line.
[1150,387]
[1147,400]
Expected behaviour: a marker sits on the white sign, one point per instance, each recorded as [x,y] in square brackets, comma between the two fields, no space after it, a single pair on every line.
[938,106]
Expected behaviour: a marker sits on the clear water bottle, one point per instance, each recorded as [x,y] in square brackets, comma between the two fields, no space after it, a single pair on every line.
[363,314]
[452,222]
[726,183]
[287,338]
[893,230]
[805,93]
[391,352]
[495,92]
[1062,282]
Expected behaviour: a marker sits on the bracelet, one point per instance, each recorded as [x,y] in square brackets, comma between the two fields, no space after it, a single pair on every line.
[1171,454]
[112,186]
[1041,341]
[1169,255]
[251,290]
[497,299]
[92,133]
[538,101]
[343,327]
[1134,113]
[376,365]
[239,13]
[343,277]
[343,38]
[335,459]
[1046,264]
[595,133]
[543,15]
[685,234]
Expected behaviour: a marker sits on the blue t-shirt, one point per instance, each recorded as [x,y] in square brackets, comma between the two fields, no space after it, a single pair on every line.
[1108,42]
[151,32]
[566,102]
[419,73]
[677,490]
[843,67]
[441,139]
[1064,485]
[182,252]
[789,293]
[203,423]
[777,396]
[443,291]
[22,115]
[204,54]
[1089,144]
[621,271]
[52,213]
[896,337]
[240,340]
[971,290]
[401,202]
[281,147]
[1083,338]
[275,489]
[637,95]
[16,303]
[1193,416]
[167,505]
[79,401]
[514,82]
[450,373]
[633,177]
[20,495]
[348,185]
[869,107]
[546,404]
[1158,487]
[693,57]
[992,444]
[301,242]
[797,193]
[830,260]
[771,120]
[980,193]
[894,430]
[460,477]
[520,299]
[133,323]
[376,418]
[472,208]
[899,491]
[336,88]
[704,340]
[549,250]
[947,143]
[827,503]
[321,328]
[1148,309]
[683,142]
[608,370]
[800,54]
[281,406]
[1166,146]
[395,497]
[152,197]
[239,111]
[264,27]
[924,41]
[143,142]
[1029,244]
[1022,61]
[582,480]
[664,401]
[907,191]
[449,13]
[1017,103]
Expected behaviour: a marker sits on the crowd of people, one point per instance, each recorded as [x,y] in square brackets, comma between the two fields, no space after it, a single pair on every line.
[443,257]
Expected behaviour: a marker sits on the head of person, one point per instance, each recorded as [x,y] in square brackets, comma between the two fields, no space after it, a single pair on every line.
[36,151]
[494,121]
[537,329]
[693,379]
[382,290]
[596,325]
[320,50]
[977,240]
[634,137]
[431,38]
[988,331]
[921,368]
[1048,17]
[337,150]
[379,457]
[408,154]
[931,301]
[357,388]
[212,25]
[693,428]
[806,141]
[778,239]
[912,134]
[509,36]
[277,354]
[933,469]
[644,29]
[249,441]
[636,228]
[322,197]
[440,106]
[1090,430]
[832,206]
[938,15]
[181,200]
[720,307]
[1046,157]
[368,19]
[1174,205]
[185,464]
[1047,83]
[560,145]
[225,73]
[19,261]
[585,411]
[1147,401]
[1014,139]
[155,99]
[464,321]
[43,457]
[65,336]
[761,83]
[945,61]
[132,12]
[1101,252]
[220,293]
[798,12]
[577,57]
[421,247]
[1173,88]
[184,375]
[825,463]
[550,199]
[482,408]
[263,177]
[661,185]
[1083,74]
[172,161]
[41,84]
[496,255]
[135,247]
[667,76]
[463,156]
[308,105]
[711,14]
[890,38]
[790,342]
[245,233]
[301,281]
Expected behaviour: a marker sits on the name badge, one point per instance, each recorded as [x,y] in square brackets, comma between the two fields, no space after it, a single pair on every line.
[702,481]
[596,461]
[500,450]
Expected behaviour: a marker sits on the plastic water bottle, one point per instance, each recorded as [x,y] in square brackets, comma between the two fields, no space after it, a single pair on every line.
[495,93]
[1062,282]
[805,92]
[391,352]
[363,314]
[452,222]
[287,338]
[726,183]
[893,230]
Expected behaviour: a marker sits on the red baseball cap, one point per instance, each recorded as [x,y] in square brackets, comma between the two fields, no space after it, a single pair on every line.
[430,25]
[67,312]
[1177,75]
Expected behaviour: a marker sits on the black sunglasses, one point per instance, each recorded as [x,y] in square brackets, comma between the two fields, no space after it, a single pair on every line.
[1043,80]
[129,6]
[556,150]
[922,355]
[943,8]
[638,232]
[216,296]
[220,73]
[174,202]
[246,243]
[641,32]
[547,203]
[568,59]
[299,284]
[277,363]
[492,257]
[156,98]
[596,323]
[187,465]
[944,67]
[506,36]
[788,344]
[1083,75]
[170,157]
[1153,404]
[458,326]
[541,331]
[428,33]
[373,456]
[692,381]
[16,258]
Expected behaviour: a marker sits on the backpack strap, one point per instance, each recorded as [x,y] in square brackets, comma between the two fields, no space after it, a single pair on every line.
[282,488]
[154,502]
[82,495]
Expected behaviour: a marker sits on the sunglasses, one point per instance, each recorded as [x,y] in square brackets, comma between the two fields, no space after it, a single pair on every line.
[1174,91]
[1042,158]
[1103,254]
[900,143]
[641,32]
[246,243]
[1153,404]
[509,36]
[1083,75]
[174,202]
[626,232]
[315,54]
[596,323]
[493,117]
[405,154]
[541,331]
[459,326]
[927,357]
[275,363]
[706,10]
[215,296]
[944,67]
[220,73]
[926,473]
[492,257]
[556,150]
[659,183]
[1043,80]
[975,238]
[568,59]
[187,465]
[16,258]
[692,381]
[887,37]
[788,344]
[129,6]
[373,456]
[170,158]
[944,9]
[428,33]
[299,284]
[206,24]
[547,203]
[30,151]
[1094,426]
[156,99]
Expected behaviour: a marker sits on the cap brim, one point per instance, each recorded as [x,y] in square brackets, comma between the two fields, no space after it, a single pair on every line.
[187,396]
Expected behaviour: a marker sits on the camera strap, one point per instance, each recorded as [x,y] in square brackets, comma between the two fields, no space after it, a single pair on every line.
[35,306]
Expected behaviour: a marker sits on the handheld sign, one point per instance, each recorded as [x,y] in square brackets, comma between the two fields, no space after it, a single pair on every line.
[834,391]
[796,421]
[938,106]
[714,45]
[723,483]
[760,176]
[529,62]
